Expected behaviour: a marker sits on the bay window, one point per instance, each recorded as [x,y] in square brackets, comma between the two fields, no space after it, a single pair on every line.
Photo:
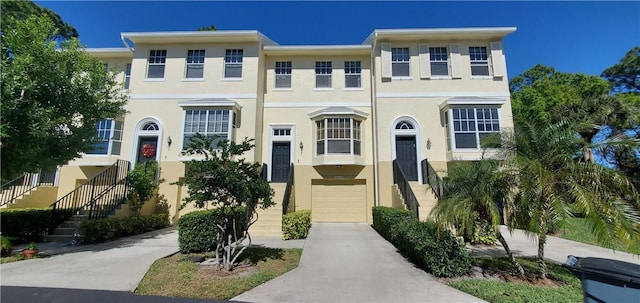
[338,136]
[208,122]
[108,139]
[471,126]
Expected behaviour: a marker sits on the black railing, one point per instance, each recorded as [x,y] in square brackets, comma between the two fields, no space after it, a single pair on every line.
[408,196]
[107,201]
[287,191]
[19,186]
[84,196]
[430,176]
[264,172]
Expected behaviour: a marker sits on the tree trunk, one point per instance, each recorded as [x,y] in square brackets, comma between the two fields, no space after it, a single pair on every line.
[513,260]
[542,265]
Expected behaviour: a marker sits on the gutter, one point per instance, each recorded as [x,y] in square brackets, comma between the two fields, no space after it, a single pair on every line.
[124,41]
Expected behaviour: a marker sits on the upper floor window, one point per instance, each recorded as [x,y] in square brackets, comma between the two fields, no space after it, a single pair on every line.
[323,74]
[283,74]
[127,76]
[195,63]
[352,74]
[472,125]
[438,61]
[400,62]
[157,60]
[233,63]
[108,138]
[479,61]
[338,136]
[208,122]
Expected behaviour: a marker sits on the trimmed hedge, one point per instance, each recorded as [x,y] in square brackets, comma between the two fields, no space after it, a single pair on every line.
[436,251]
[296,224]
[25,225]
[197,231]
[101,230]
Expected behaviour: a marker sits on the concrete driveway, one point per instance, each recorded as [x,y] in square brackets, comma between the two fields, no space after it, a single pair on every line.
[115,265]
[350,262]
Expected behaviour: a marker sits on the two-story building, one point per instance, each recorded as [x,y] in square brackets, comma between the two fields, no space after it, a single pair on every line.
[345,118]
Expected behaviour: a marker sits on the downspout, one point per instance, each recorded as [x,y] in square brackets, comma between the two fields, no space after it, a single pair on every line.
[376,176]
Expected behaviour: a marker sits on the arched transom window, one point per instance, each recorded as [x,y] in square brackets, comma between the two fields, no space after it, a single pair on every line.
[404,125]
[151,126]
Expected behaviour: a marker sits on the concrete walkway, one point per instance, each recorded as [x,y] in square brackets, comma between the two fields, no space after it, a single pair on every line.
[350,262]
[115,265]
[556,249]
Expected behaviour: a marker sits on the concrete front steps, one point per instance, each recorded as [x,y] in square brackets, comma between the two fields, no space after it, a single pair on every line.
[423,193]
[39,197]
[65,232]
[269,222]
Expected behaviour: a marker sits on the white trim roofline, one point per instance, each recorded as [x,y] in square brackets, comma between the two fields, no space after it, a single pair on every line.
[217,34]
[490,32]
[313,49]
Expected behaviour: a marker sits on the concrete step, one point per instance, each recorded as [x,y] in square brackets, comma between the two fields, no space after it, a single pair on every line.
[58,238]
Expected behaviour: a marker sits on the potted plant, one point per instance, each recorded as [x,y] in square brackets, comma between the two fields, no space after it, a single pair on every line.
[7,247]
[31,251]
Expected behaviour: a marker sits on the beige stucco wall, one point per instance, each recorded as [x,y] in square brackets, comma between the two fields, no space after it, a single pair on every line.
[213,77]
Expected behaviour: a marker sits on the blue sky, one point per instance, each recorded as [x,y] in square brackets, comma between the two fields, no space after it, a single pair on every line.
[574,37]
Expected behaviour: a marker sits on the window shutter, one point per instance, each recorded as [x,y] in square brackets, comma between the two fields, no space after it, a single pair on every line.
[497,60]
[385,57]
[455,61]
[425,63]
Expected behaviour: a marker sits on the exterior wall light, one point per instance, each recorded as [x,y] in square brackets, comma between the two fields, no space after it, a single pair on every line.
[428,143]
[301,146]
[169,141]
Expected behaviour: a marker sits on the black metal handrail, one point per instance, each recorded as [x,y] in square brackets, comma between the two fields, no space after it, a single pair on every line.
[264,172]
[107,201]
[81,198]
[430,176]
[287,191]
[16,188]
[408,196]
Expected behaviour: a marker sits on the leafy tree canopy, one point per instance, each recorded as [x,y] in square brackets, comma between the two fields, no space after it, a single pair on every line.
[208,28]
[625,76]
[52,96]
[21,10]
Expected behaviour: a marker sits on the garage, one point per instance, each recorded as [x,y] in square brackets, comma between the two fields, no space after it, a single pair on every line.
[339,201]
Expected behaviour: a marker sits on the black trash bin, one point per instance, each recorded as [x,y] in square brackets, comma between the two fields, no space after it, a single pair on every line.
[606,280]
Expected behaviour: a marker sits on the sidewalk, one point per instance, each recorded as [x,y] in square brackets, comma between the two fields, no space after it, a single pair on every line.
[556,249]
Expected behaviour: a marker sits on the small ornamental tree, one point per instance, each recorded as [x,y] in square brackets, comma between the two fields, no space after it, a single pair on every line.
[223,179]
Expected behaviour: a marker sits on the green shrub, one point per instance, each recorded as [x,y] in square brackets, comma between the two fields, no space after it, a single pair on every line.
[384,218]
[25,225]
[296,225]
[94,231]
[142,184]
[197,231]
[480,233]
[437,252]
[7,247]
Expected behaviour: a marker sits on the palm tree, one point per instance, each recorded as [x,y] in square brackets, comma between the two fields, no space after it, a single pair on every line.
[471,190]
[551,179]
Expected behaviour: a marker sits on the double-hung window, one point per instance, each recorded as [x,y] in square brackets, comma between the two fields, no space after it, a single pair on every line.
[438,61]
[400,61]
[323,74]
[127,76]
[352,74]
[195,64]
[472,125]
[479,61]
[108,139]
[157,61]
[338,136]
[283,74]
[208,122]
[233,63]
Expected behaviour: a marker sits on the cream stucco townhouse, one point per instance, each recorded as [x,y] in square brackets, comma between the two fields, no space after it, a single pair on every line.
[341,128]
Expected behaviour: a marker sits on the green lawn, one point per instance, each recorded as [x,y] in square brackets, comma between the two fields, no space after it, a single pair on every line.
[511,292]
[174,277]
[578,230]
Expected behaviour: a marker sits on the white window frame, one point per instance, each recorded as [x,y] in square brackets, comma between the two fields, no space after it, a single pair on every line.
[127,76]
[233,58]
[188,129]
[478,57]
[282,71]
[111,134]
[352,69]
[195,59]
[324,69]
[157,58]
[436,58]
[323,134]
[400,56]
[495,118]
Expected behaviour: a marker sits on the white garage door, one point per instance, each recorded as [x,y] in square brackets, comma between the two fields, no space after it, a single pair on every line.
[339,203]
